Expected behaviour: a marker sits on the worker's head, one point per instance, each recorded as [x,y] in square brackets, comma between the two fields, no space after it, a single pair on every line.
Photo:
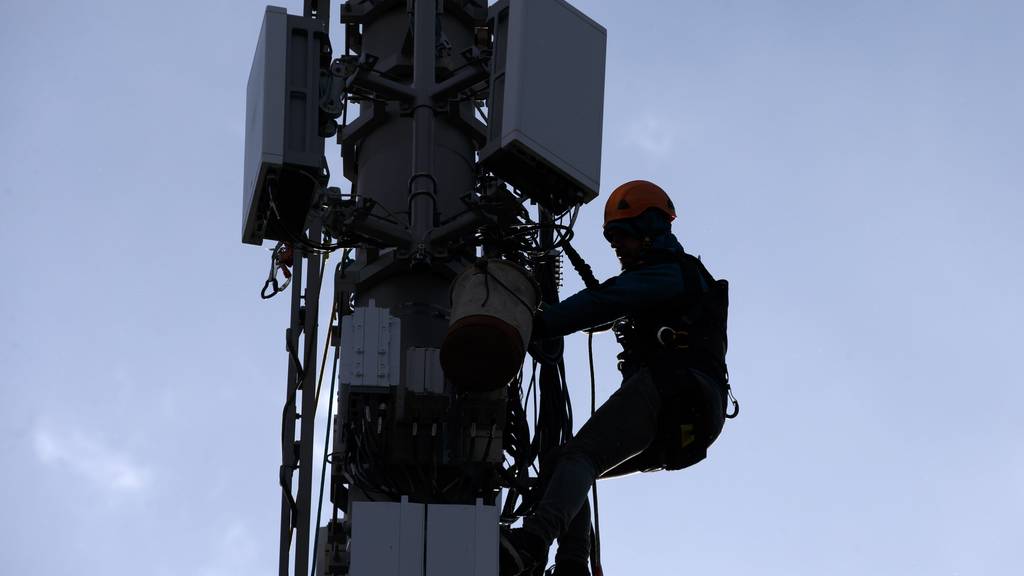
[636,213]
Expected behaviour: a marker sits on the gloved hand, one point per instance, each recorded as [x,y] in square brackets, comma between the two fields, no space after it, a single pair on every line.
[543,348]
[546,350]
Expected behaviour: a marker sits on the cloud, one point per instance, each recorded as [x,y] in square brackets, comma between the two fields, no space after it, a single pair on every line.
[652,135]
[90,458]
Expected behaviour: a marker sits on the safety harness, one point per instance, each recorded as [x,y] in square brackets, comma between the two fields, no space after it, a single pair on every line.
[690,335]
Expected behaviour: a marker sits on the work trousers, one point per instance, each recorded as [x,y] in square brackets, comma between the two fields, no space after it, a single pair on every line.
[624,426]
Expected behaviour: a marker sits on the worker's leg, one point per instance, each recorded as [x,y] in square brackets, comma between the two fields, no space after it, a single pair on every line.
[687,397]
[624,425]
[574,543]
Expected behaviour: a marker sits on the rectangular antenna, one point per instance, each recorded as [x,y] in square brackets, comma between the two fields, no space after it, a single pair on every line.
[283,150]
[546,104]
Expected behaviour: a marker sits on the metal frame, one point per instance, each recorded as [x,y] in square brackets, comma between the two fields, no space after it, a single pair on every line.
[298,454]
[411,109]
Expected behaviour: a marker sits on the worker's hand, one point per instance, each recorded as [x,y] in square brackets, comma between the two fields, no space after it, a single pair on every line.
[546,350]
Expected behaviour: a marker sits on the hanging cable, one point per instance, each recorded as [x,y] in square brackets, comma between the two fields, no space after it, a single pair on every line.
[595,550]
[289,405]
[323,362]
[581,266]
[300,240]
[327,443]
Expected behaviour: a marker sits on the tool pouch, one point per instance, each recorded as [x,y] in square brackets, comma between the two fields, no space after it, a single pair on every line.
[691,419]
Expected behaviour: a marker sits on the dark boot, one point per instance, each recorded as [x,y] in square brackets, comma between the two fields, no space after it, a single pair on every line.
[521,553]
[565,568]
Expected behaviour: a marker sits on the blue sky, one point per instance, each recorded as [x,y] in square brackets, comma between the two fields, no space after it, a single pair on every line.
[854,169]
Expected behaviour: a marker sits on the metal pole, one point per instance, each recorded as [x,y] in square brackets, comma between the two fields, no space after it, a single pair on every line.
[423,184]
[289,455]
[305,312]
[308,412]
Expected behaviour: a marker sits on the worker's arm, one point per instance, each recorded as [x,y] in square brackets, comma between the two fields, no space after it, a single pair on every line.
[632,291]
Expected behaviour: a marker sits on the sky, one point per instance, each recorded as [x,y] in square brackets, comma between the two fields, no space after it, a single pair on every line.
[853,168]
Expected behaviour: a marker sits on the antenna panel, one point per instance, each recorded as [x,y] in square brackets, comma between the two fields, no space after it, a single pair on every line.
[546,104]
[283,150]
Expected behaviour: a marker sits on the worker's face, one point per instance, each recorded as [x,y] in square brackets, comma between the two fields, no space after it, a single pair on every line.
[628,248]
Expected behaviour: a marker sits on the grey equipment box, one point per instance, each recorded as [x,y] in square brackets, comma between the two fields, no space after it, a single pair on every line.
[283,150]
[546,104]
[410,539]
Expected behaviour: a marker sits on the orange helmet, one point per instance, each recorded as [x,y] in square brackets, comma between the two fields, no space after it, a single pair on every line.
[634,198]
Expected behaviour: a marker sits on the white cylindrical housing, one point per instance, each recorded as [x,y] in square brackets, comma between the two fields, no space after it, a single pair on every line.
[493,303]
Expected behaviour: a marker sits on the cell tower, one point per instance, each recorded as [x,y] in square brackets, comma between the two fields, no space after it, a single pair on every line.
[477,139]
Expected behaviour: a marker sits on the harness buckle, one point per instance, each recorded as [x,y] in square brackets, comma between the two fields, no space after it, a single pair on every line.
[671,338]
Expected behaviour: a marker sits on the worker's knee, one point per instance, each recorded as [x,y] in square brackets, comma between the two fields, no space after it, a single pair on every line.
[571,455]
[578,458]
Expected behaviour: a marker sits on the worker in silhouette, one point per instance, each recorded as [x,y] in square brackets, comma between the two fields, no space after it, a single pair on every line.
[669,315]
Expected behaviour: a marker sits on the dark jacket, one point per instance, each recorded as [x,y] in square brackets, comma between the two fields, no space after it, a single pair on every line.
[642,292]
